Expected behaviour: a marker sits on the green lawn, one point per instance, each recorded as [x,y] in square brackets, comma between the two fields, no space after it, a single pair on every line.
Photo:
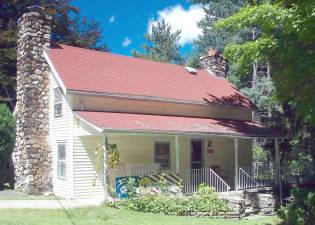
[108,216]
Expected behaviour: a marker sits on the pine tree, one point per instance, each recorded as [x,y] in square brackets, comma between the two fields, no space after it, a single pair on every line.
[162,44]
[211,37]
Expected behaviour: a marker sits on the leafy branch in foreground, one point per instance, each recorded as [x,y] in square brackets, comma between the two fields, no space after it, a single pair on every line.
[287,41]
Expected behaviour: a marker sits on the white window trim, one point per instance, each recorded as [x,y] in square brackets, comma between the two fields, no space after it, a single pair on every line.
[61,161]
[170,152]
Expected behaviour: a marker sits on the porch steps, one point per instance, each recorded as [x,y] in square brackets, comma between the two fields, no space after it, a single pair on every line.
[252,201]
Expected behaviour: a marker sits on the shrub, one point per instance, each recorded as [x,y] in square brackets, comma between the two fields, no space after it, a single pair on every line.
[301,211]
[205,200]
[7,139]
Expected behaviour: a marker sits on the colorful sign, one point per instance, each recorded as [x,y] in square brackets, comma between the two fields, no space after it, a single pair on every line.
[122,185]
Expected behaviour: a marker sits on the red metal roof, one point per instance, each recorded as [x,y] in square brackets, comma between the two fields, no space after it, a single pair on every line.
[93,71]
[173,124]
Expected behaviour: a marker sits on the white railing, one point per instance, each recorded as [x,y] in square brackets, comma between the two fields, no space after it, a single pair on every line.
[253,177]
[194,177]
[190,179]
[245,180]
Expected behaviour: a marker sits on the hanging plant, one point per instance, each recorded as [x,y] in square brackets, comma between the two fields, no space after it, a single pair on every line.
[113,156]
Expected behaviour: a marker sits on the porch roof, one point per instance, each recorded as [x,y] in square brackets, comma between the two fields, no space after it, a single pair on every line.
[128,122]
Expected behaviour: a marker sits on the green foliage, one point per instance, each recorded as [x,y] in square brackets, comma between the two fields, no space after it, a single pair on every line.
[286,41]
[205,200]
[263,96]
[67,27]
[7,130]
[113,155]
[131,187]
[7,140]
[299,164]
[217,39]
[162,44]
[301,211]
[193,61]
[259,154]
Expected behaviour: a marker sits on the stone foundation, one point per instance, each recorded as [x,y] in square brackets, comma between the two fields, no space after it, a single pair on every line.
[251,201]
[32,156]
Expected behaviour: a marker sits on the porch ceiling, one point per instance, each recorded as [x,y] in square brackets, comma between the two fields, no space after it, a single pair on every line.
[127,122]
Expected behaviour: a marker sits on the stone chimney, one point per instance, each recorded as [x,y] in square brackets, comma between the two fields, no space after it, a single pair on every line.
[215,63]
[32,156]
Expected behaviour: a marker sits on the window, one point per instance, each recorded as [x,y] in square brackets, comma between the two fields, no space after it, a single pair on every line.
[61,160]
[162,154]
[57,102]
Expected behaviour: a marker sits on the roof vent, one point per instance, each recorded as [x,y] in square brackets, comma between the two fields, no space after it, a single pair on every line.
[191,70]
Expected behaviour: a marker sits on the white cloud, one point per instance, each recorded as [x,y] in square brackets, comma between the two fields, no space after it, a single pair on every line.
[112,19]
[126,42]
[181,19]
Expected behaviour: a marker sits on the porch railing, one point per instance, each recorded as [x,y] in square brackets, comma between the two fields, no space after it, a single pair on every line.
[190,179]
[245,180]
[194,177]
[253,177]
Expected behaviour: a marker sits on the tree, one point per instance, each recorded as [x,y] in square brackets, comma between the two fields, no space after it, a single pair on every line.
[7,134]
[287,42]
[218,39]
[162,44]
[67,27]
[215,10]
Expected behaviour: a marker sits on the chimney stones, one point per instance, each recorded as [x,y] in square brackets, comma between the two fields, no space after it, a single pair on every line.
[215,63]
[32,156]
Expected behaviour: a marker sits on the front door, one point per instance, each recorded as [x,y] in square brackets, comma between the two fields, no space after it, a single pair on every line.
[196,154]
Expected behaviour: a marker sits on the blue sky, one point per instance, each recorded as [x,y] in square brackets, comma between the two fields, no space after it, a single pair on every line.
[124,22]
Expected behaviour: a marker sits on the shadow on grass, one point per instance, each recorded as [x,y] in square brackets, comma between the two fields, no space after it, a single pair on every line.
[66,212]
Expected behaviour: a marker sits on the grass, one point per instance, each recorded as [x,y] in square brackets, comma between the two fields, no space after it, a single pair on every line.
[103,215]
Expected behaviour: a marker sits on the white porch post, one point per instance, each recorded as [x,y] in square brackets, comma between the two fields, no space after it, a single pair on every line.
[177,153]
[105,167]
[278,169]
[236,163]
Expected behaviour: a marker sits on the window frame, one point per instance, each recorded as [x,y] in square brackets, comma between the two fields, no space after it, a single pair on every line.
[57,102]
[61,162]
[156,159]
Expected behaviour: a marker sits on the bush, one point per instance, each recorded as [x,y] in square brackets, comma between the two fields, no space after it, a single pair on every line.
[7,139]
[205,200]
[301,211]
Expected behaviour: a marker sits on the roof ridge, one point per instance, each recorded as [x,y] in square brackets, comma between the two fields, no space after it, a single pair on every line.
[132,57]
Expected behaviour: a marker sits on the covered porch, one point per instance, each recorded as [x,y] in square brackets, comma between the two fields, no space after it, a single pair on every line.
[193,150]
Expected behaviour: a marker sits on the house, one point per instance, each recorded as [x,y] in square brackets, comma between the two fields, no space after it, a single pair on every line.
[72,102]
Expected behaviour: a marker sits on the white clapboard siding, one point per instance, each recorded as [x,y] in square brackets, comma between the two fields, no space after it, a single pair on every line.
[61,130]
[87,181]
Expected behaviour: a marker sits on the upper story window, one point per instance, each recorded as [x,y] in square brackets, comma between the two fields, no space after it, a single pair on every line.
[61,160]
[162,154]
[57,102]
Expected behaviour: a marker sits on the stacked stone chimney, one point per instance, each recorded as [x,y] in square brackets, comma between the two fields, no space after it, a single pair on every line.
[215,63]
[32,156]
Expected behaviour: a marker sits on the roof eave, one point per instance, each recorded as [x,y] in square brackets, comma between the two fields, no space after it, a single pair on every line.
[156,132]
[153,98]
